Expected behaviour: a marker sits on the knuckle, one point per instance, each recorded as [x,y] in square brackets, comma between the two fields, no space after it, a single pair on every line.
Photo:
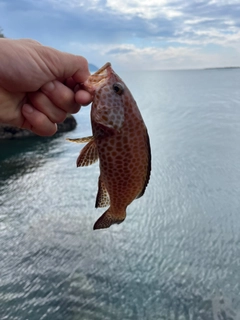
[65,96]
[82,62]
[40,121]
[60,117]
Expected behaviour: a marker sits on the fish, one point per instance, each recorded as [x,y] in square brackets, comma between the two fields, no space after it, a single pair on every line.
[120,142]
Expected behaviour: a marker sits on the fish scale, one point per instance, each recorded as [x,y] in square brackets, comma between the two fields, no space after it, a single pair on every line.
[121,143]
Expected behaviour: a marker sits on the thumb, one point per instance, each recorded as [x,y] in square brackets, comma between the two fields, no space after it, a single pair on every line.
[64,65]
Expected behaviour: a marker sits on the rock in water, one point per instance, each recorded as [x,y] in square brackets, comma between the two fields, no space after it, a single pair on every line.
[9,132]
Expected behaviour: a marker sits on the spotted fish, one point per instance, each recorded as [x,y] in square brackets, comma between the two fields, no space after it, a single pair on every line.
[120,141]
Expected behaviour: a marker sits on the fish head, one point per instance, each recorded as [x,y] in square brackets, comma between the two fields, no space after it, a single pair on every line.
[98,79]
[104,77]
[110,97]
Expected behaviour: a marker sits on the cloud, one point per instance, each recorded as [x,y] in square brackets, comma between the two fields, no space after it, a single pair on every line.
[152,58]
[148,33]
[142,8]
[118,51]
[131,57]
[146,9]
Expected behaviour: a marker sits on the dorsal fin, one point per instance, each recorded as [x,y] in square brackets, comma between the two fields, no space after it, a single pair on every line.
[102,199]
[148,168]
[88,155]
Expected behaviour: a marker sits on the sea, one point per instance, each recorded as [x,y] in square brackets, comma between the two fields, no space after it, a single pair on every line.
[177,254]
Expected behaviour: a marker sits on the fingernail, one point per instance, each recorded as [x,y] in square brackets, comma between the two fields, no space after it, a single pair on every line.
[48,87]
[27,108]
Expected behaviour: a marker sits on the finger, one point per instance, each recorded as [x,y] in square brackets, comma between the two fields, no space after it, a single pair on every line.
[43,104]
[70,83]
[60,95]
[29,41]
[83,97]
[37,122]
[64,65]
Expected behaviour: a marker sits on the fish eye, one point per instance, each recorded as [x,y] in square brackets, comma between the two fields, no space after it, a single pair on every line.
[118,88]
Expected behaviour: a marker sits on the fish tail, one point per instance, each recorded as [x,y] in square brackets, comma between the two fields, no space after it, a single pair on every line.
[108,218]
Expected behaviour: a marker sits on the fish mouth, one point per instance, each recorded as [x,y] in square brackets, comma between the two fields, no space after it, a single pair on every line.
[99,78]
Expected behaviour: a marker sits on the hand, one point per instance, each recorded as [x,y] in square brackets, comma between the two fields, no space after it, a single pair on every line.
[39,85]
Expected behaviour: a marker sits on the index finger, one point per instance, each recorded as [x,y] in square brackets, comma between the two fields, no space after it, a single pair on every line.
[83,97]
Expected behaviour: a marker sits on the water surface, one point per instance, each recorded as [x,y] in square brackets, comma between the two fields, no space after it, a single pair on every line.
[176,256]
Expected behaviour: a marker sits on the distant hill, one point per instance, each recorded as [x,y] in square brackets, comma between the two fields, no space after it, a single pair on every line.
[1,33]
[222,68]
[92,67]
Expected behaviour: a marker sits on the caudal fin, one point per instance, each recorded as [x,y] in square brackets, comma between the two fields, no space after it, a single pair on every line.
[109,218]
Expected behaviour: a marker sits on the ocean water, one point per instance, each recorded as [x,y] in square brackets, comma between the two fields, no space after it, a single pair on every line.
[177,254]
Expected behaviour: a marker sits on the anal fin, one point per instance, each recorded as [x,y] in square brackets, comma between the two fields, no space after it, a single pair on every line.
[102,199]
[88,155]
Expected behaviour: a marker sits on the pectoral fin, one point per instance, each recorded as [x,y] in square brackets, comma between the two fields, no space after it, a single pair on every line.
[81,140]
[102,199]
[88,155]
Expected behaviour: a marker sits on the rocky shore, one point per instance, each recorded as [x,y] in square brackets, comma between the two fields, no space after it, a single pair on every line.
[9,132]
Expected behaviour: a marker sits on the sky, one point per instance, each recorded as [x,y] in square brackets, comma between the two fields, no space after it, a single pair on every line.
[132,35]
